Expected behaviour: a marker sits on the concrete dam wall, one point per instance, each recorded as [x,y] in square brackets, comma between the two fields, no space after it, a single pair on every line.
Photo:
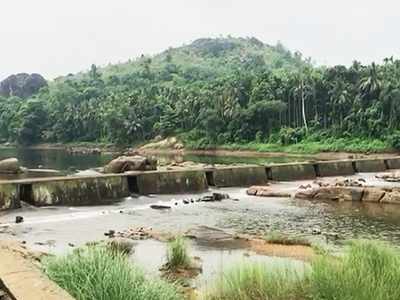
[105,189]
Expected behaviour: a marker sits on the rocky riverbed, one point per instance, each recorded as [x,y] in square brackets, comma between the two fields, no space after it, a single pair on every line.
[235,225]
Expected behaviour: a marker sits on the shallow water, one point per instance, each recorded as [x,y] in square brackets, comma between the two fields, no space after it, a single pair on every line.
[254,215]
[60,229]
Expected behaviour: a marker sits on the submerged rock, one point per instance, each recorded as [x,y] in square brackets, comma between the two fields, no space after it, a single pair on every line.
[160,206]
[130,163]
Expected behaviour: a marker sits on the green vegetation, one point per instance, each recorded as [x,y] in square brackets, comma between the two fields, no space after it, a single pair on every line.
[255,281]
[178,254]
[368,270]
[275,237]
[97,273]
[232,92]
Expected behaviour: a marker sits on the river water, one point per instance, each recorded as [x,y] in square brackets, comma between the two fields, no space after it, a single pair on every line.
[62,160]
[61,229]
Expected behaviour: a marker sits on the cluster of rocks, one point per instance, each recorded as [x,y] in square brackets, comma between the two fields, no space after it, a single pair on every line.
[215,197]
[348,190]
[390,177]
[130,163]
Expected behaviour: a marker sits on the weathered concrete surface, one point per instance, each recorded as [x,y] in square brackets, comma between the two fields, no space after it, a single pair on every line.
[240,176]
[22,277]
[9,197]
[82,191]
[370,165]
[393,163]
[170,182]
[291,171]
[335,168]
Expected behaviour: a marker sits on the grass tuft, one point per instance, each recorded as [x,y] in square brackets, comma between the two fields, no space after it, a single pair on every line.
[284,239]
[96,273]
[367,271]
[178,254]
[257,281]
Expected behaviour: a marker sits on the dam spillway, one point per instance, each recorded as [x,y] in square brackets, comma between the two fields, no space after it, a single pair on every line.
[108,188]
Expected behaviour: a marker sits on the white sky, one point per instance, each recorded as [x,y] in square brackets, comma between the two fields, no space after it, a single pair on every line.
[56,37]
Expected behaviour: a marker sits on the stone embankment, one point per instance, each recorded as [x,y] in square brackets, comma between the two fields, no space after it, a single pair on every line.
[21,277]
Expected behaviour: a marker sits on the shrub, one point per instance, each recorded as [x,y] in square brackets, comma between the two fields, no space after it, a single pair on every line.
[95,273]
[394,140]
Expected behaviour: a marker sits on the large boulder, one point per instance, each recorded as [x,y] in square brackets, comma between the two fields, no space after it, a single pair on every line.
[339,193]
[22,85]
[130,163]
[10,166]
[336,193]
[266,191]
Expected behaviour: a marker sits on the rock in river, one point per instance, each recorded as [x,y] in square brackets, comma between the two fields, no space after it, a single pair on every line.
[130,163]
[10,166]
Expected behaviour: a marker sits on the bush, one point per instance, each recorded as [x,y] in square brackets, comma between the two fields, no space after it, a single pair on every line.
[95,273]
[289,136]
[394,140]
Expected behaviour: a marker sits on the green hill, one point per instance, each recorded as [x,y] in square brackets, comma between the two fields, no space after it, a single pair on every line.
[211,92]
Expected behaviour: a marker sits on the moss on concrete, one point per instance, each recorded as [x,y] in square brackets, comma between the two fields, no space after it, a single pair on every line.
[370,165]
[335,168]
[82,191]
[171,182]
[293,171]
[240,176]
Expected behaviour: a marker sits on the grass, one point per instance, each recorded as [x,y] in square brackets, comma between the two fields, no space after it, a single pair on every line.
[96,273]
[257,281]
[367,271]
[178,254]
[275,237]
[307,146]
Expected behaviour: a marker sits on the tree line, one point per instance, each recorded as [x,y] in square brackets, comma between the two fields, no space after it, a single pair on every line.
[216,91]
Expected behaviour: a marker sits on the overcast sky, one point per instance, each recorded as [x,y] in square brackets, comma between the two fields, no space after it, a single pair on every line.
[56,37]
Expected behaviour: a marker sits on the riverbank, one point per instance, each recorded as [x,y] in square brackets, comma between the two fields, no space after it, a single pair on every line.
[311,150]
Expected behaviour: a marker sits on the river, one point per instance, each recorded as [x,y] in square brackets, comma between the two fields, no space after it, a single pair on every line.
[60,159]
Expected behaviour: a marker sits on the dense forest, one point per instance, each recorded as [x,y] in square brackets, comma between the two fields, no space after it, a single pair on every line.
[211,92]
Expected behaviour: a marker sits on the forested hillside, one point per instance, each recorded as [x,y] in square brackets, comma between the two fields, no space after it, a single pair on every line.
[212,92]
